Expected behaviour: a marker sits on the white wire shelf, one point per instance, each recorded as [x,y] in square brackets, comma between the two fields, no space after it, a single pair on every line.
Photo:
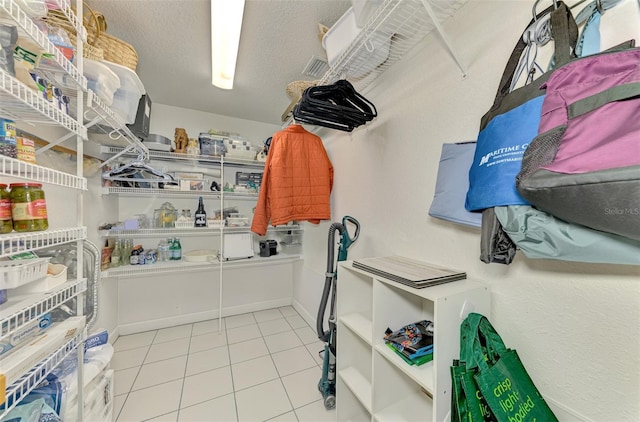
[14,243]
[107,128]
[35,173]
[19,389]
[184,266]
[168,193]
[19,310]
[173,156]
[19,102]
[165,193]
[400,23]
[26,27]
[193,231]
[68,11]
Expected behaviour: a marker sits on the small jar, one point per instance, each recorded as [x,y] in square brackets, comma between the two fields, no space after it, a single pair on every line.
[28,207]
[6,223]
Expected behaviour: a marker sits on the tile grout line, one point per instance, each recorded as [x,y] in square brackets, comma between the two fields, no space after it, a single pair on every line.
[184,375]
[234,391]
[233,387]
[280,379]
[136,377]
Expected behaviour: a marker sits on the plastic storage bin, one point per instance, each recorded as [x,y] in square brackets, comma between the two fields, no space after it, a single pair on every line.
[14,274]
[211,144]
[127,97]
[343,33]
[101,80]
[363,10]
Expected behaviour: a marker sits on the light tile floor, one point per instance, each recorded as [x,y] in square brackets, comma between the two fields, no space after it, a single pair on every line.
[262,366]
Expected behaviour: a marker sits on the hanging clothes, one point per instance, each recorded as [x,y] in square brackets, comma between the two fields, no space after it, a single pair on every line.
[296,183]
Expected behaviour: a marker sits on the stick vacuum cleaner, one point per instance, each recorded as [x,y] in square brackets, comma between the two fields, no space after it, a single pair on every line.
[327,384]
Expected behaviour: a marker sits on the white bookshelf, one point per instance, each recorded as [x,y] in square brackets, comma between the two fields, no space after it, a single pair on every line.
[373,383]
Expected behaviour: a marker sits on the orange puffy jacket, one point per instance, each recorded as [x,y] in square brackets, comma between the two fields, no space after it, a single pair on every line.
[297,181]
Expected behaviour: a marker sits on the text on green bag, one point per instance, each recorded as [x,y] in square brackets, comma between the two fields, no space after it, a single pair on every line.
[509,404]
[484,408]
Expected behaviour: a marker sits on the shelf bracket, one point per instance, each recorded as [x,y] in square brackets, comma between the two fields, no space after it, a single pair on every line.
[444,37]
[130,148]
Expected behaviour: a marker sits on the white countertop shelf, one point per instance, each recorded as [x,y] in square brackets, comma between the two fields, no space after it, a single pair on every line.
[35,173]
[18,310]
[15,242]
[184,266]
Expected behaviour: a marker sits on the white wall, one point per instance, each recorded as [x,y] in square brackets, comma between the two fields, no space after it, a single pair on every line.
[165,119]
[576,326]
[163,300]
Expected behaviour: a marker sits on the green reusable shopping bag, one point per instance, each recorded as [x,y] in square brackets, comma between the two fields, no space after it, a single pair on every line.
[467,403]
[501,377]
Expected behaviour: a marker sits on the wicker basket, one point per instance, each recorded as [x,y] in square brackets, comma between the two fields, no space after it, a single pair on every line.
[100,45]
[57,18]
[115,50]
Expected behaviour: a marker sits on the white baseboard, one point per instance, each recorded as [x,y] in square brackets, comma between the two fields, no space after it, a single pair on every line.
[156,324]
[113,336]
[311,319]
[565,414]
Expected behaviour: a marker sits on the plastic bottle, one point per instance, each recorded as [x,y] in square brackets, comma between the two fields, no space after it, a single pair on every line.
[201,215]
[178,249]
[163,251]
[173,253]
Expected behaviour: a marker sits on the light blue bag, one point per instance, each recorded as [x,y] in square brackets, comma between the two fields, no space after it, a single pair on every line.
[542,236]
[452,184]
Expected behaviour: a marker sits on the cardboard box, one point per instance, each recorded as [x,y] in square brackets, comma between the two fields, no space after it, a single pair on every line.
[38,348]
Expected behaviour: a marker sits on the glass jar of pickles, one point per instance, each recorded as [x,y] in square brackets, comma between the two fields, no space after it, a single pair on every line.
[6,224]
[28,207]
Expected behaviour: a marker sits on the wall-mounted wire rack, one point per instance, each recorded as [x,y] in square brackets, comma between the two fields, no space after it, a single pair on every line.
[398,25]
[401,23]
[35,173]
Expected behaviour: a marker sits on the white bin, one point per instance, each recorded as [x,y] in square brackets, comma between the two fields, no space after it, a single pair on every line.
[127,97]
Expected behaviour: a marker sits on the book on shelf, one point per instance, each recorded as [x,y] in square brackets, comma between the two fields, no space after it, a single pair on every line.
[407,271]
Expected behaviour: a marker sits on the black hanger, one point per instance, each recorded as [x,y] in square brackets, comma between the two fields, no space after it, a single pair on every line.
[337,106]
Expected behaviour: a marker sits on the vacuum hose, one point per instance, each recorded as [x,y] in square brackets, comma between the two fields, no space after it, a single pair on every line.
[330,275]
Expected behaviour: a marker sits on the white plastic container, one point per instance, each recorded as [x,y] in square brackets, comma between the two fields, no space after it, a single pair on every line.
[101,80]
[363,10]
[14,274]
[343,33]
[127,97]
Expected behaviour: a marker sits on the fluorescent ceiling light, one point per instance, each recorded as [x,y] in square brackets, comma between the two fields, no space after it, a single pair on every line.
[226,24]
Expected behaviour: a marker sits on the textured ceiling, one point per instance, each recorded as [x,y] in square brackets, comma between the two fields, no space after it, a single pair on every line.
[172,39]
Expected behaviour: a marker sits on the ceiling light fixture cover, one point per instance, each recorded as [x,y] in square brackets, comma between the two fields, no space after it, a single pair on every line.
[226,25]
